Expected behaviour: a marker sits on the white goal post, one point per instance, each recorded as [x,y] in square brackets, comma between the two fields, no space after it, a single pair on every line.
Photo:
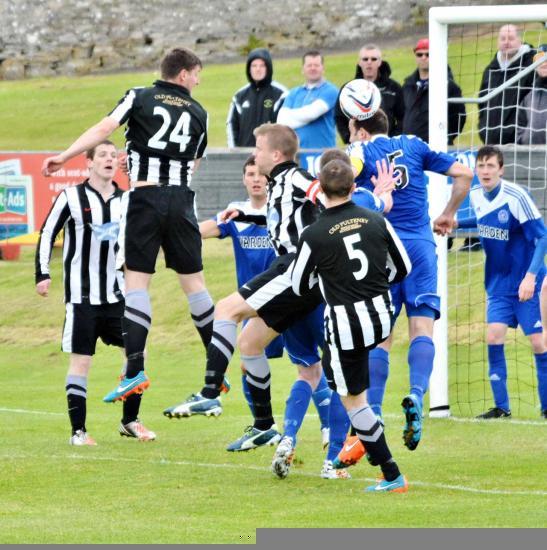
[439,19]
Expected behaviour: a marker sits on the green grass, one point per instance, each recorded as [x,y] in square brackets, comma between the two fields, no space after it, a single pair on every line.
[59,109]
[184,488]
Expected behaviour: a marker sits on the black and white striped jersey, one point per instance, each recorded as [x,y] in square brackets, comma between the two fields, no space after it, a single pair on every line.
[91,228]
[166,132]
[354,254]
[290,209]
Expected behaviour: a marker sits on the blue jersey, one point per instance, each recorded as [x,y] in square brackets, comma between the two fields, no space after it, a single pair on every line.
[252,248]
[508,226]
[319,133]
[411,157]
[366,199]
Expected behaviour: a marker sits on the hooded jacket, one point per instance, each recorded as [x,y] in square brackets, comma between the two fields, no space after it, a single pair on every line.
[416,99]
[532,115]
[254,104]
[497,117]
[392,102]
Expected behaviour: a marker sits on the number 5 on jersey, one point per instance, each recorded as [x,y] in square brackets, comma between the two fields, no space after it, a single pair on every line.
[355,254]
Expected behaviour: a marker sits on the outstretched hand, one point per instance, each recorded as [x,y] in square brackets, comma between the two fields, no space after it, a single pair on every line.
[228,214]
[51,165]
[385,182]
[444,224]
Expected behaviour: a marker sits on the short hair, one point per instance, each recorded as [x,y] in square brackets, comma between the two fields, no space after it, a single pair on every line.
[488,151]
[336,178]
[90,153]
[510,27]
[312,53]
[371,46]
[176,60]
[249,162]
[280,138]
[378,123]
[333,154]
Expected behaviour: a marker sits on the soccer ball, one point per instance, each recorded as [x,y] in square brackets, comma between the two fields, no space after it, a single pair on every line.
[360,99]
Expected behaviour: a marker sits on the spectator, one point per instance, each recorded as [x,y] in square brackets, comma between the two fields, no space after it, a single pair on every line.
[370,66]
[498,116]
[532,114]
[255,103]
[309,109]
[416,99]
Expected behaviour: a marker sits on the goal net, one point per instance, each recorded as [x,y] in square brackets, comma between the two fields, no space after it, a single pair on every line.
[466,40]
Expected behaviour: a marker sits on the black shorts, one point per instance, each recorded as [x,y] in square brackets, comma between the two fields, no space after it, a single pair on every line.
[155,216]
[271,295]
[346,371]
[85,323]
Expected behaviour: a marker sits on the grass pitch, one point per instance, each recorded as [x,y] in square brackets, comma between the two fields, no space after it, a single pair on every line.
[184,487]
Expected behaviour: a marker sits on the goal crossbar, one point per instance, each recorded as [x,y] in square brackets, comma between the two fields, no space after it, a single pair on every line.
[504,86]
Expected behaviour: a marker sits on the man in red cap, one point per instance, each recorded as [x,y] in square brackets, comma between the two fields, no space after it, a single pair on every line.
[416,99]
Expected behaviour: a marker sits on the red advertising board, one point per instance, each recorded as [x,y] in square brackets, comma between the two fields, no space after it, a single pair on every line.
[18,168]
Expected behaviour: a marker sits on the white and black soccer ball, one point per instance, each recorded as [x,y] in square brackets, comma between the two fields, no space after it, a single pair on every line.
[360,99]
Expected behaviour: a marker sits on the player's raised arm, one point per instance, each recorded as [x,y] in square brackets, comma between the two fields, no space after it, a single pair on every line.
[461,183]
[88,140]
[209,229]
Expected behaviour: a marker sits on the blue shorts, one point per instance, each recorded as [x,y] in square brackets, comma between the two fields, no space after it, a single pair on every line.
[509,311]
[304,338]
[418,291]
[275,348]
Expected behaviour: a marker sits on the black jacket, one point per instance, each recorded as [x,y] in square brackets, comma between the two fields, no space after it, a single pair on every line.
[254,104]
[392,102]
[416,99]
[497,117]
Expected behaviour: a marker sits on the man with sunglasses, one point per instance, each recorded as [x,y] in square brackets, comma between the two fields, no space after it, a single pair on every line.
[416,99]
[372,67]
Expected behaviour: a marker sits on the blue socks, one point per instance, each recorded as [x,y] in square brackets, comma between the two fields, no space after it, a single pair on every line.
[321,399]
[339,425]
[378,368]
[420,361]
[296,407]
[497,372]
[541,371]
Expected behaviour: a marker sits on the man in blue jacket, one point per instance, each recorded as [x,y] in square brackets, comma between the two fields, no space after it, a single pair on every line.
[309,109]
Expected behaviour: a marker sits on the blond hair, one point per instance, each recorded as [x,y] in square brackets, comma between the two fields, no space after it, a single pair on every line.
[280,138]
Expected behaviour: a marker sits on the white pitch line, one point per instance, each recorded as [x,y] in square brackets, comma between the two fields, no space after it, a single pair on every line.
[166,462]
[26,411]
[497,422]
[463,420]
